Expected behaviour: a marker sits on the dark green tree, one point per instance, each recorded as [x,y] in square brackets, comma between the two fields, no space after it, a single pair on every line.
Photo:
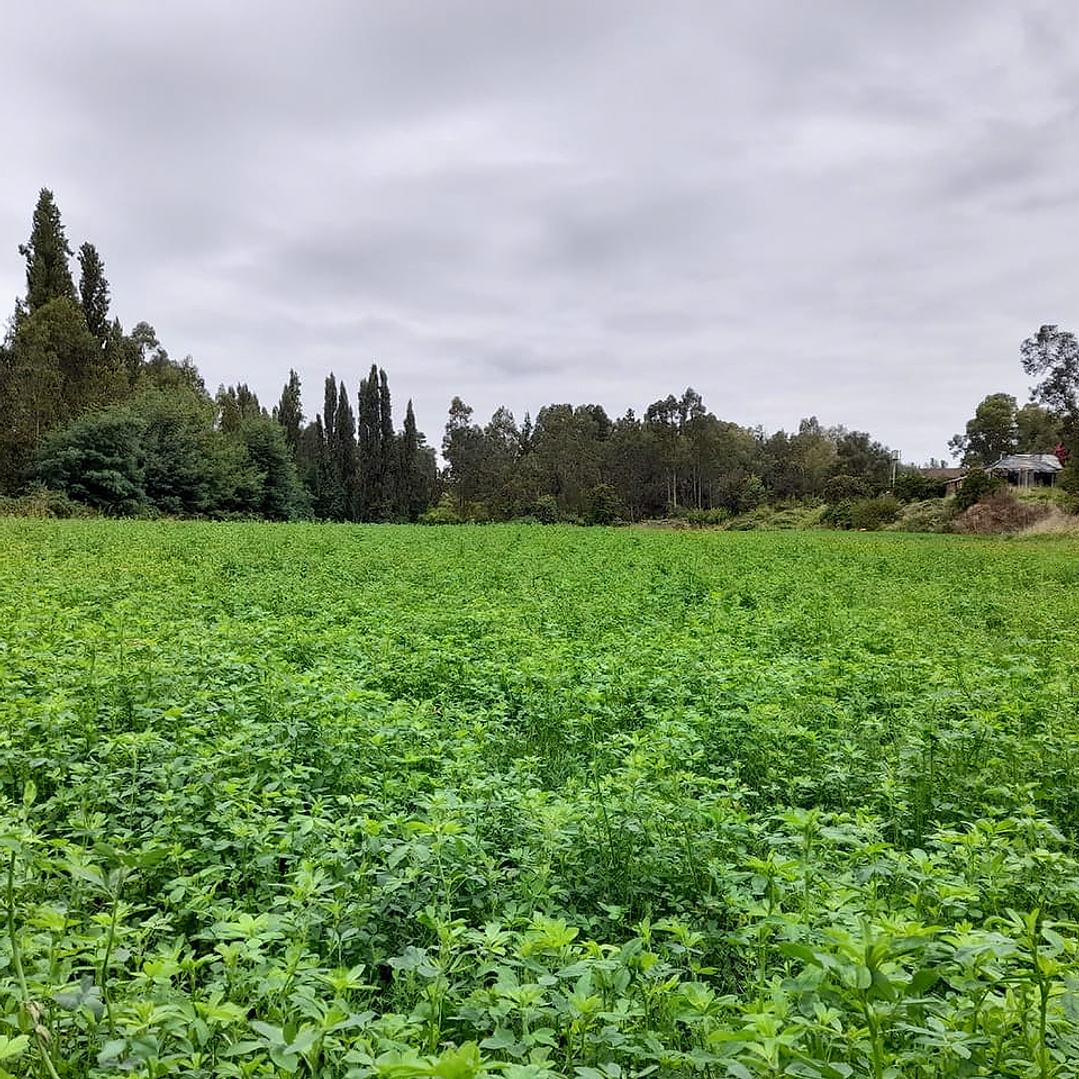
[634,469]
[98,460]
[289,412]
[388,473]
[236,405]
[330,497]
[570,452]
[191,467]
[463,450]
[281,496]
[990,434]
[661,424]
[94,292]
[416,470]
[1052,354]
[344,456]
[858,455]
[501,456]
[53,370]
[1037,430]
[31,401]
[47,254]
[602,505]
[369,445]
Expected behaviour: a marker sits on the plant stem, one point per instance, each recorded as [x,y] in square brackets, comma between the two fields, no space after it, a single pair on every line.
[19,973]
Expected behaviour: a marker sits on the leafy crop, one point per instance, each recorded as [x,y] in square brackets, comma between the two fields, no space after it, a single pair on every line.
[333,802]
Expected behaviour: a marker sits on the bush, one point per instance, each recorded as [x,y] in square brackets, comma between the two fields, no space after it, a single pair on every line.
[1003,512]
[97,459]
[444,513]
[914,487]
[42,502]
[707,518]
[790,515]
[928,515]
[753,493]
[977,485]
[846,489]
[1069,477]
[603,506]
[543,511]
[862,514]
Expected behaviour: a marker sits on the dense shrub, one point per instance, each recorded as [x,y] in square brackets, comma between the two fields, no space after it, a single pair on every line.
[42,502]
[444,513]
[1003,512]
[603,505]
[707,518]
[929,515]
[863,514]
[846,488]
[977,485]
[912,486]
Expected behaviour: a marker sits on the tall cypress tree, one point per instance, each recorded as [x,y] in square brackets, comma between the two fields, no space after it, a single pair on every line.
[94,292]
[48,274]
[289,412]
[54,367]
[415,469]
[344,455]
[368,444]
[389,459]
[330,499]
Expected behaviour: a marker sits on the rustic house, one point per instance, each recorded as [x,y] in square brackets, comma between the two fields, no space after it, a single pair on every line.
[952,478]
[1027,469]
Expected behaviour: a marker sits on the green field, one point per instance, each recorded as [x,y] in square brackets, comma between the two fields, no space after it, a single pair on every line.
[385,801]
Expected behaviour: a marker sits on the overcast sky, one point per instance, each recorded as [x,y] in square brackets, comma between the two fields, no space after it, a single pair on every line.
[854,209]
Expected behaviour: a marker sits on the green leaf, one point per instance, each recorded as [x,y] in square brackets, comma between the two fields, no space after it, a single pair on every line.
[921,980]
[273,1035]
[13,1047]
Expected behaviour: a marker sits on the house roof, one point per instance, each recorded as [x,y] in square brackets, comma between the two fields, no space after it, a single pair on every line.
[1027,462]
[943,473]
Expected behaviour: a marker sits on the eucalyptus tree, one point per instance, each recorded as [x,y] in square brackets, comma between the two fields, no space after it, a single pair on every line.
[1053,355]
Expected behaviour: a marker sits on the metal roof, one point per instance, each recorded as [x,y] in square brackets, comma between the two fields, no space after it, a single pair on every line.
[1027,462]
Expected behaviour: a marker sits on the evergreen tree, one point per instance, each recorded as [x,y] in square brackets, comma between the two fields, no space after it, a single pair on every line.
[57,369]
[388,477]
[416,471]
[336,497]
[30,398]
[369,446]
[289,413]
[462,447]
[281,495]
[344,455]
[98,460]
[330,496]
[48,273]
[94,292]
[192,467]
[329,408]
[236,405]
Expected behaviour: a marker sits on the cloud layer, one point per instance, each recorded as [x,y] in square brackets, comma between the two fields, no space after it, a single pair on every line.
[849,209]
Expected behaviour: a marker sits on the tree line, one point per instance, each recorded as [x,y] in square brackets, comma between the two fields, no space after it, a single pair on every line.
[105,416]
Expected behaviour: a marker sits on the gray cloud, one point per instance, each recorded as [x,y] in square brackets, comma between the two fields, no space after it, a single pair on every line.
[850,209]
